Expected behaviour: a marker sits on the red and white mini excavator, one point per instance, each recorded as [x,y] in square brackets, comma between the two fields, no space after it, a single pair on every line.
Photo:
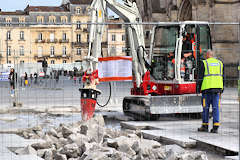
[164,77]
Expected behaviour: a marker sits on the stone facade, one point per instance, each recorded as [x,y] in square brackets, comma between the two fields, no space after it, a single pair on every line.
[225,38]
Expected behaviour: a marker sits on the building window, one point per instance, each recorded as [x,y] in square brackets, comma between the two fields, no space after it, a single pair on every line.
[64,61]
[113,51]
[21,21]
[78,51]
[87,37]
[40,19]
[123,49]
[78,10]
[64,50]
[51,37]
[21,51]
[40,36]
[64,36]
[88,25]
[123,37]
[78,24]
[78,37]
[9,50]
[64,19]
[40,51]
[9,62]
[21,35]
[52,62]
[21,62]
[8,35]
[113,37]
[52,51]
[8,21]
[52,19]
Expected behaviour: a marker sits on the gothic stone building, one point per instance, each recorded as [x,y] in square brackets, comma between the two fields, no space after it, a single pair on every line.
[225,38]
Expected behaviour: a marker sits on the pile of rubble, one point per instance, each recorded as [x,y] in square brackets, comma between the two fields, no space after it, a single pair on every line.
[91,140]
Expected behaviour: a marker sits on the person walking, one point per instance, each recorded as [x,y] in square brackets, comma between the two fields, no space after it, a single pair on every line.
[12,79]
[210,84]
[31,78]
[25,79]
[35,78]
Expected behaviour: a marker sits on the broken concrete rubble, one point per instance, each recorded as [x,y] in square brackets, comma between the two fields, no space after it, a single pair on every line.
[92,140]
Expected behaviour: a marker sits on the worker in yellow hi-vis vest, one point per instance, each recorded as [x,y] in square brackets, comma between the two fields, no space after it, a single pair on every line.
[210,84]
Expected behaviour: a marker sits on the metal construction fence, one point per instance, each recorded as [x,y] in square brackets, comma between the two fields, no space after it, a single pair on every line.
[56,97]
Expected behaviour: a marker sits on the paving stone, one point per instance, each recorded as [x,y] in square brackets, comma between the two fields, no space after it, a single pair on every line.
[170,137]
[15,141]
[232,158]
[231,143]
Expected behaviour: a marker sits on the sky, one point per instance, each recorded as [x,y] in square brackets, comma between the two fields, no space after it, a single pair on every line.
[12,5]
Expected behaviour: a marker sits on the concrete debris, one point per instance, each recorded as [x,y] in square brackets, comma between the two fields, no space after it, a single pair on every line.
[42,145]
[172,151]
[26,150]
[66,131]
[199,155]
[92,140]
[71,150]
[48,155]
[58,156]
[8,119]
[41,152]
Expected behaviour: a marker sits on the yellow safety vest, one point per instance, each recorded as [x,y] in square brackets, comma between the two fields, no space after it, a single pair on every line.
[213,75]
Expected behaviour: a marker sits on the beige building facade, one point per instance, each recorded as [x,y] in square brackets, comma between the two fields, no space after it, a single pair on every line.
[116,38]
[58,34]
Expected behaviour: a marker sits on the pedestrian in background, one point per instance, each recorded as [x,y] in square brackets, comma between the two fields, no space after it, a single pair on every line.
[56,76]
[12,79]
[35,78]
[25,79]
[210,84]
[31,78]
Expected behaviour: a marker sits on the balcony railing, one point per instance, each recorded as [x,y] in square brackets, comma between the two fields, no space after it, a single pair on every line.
[39,40]
[85,44]
[63,40]
[52,40]
[80,44]
[85,30]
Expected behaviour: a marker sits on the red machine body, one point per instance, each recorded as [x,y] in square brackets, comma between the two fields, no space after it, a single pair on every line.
[163,87]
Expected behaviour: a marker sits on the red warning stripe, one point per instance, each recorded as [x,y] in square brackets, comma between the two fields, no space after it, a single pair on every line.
[107,79]
[114,58]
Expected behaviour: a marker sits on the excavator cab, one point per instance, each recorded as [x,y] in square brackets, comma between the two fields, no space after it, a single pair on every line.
[177,49]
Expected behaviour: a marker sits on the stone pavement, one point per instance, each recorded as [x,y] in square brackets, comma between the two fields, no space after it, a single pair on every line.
[13,141]
[184,133]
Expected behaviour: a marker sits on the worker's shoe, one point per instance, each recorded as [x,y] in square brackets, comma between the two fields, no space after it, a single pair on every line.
[214,129]
[203,129]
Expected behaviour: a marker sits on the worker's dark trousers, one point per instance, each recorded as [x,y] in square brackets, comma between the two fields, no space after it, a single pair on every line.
[207,100]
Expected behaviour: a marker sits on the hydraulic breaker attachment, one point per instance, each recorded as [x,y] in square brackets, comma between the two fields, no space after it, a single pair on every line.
[88,102]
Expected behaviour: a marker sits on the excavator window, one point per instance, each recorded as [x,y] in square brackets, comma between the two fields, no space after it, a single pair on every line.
[165,39]
[164,44]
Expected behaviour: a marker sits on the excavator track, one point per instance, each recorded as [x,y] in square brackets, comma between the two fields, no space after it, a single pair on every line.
[152,107]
